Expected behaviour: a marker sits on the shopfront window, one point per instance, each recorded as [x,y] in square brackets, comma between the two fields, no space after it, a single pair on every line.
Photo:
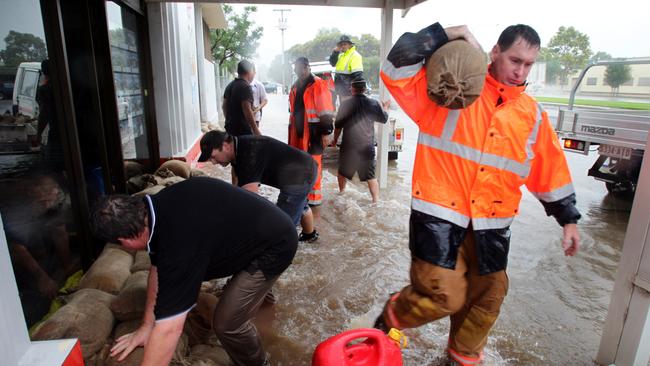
[35,187]
[126,61]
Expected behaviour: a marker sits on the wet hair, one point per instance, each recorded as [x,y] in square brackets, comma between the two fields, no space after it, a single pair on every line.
[510,35]
[118,216]
[244,67]
[302,61]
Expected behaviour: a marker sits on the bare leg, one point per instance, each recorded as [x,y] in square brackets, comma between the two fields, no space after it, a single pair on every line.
[307,222]
[373,186]
[342,182]
[316,212]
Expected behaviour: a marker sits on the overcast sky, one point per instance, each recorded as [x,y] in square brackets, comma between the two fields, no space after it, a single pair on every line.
[620,28]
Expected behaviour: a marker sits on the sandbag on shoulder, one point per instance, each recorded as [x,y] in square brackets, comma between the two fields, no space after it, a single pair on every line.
[456,74]
[86,316]
[110,270]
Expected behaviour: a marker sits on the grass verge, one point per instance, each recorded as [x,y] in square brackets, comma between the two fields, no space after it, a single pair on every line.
[598,103]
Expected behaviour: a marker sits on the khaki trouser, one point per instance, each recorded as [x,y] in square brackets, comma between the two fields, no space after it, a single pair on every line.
[472,301]
[238,305]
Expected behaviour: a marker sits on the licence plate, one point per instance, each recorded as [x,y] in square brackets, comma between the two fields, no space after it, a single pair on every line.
[615,151]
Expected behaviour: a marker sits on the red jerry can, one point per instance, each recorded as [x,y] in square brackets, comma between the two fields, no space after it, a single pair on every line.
[376,350]
[74,358]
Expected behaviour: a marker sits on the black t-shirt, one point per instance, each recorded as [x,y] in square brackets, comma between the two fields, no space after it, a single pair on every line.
[204,228]
[238,91]
[357,117]
[269,161]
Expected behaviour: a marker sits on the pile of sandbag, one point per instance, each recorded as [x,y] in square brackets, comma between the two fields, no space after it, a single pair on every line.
[18,119]
[206,126]
[169,173]
[109,302]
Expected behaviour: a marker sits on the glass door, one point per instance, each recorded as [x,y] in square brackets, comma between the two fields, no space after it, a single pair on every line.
[129,91]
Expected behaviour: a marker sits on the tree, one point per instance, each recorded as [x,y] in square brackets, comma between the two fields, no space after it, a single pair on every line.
[368,46]
[320,48]
[617,75]
[600,56]
[553,67]
[571,49]
[238,41]
[22,47]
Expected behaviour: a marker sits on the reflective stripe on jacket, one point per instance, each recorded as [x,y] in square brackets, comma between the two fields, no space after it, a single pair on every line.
[470,163]
[318,103]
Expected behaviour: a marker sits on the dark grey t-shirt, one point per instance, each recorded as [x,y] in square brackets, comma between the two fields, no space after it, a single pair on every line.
[269,161]
[357,116]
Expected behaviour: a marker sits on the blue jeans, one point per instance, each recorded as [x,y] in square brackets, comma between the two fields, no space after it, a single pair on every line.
[293,201]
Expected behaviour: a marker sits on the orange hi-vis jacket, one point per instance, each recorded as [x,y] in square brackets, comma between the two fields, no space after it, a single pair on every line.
[319,111]
[318,103]
[470,163]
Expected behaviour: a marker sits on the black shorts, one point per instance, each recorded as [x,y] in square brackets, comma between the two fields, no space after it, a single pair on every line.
[353,162]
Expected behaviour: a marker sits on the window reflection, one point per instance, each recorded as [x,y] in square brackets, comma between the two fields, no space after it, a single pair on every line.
[37,220]
[34,185]
[125,59]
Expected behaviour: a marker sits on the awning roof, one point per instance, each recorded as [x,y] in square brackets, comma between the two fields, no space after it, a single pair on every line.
[213,16]
[397,4]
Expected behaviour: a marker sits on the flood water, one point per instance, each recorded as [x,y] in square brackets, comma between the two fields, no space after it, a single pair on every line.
[555,308]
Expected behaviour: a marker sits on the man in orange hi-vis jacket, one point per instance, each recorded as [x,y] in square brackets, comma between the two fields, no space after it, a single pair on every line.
[469,166]
[311,119]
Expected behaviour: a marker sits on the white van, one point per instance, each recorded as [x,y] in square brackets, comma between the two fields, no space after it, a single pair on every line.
[28,78]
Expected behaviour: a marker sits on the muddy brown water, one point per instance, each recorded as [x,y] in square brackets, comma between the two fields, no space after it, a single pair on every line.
[555,308]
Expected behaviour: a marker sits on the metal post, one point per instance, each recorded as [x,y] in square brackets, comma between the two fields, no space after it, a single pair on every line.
[382,141]
[626,333]
[14,339]
[282,24]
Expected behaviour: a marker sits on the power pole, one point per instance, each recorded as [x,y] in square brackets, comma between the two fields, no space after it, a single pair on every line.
[282,24]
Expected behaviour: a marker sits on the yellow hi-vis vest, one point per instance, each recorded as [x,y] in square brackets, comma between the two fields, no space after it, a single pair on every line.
[349,62]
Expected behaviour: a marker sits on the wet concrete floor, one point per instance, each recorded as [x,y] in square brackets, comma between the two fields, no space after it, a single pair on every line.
[555,308]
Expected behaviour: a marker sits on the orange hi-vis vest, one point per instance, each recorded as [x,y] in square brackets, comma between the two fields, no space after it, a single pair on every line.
[471,163]
[318,102]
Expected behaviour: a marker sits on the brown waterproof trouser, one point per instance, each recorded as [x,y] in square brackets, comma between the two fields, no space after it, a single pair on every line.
[232,323]
[472,301]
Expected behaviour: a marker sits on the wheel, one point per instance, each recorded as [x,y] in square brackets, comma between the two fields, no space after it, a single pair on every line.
[392,155]
[622,189]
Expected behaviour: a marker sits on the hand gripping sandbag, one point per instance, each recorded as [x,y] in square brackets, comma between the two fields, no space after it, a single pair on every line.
[455,74]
